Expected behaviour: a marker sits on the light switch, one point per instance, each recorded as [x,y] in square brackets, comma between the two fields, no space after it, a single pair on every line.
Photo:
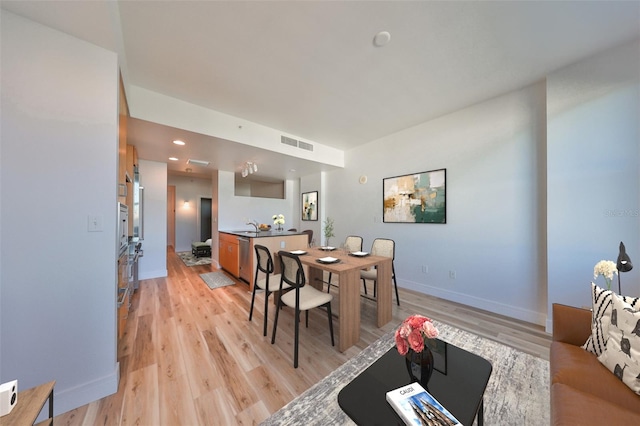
[94,223]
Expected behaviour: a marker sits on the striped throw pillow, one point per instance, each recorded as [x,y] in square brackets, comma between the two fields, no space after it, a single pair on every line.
[601,300]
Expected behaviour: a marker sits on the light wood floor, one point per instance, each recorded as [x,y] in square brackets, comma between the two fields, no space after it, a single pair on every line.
[190,356]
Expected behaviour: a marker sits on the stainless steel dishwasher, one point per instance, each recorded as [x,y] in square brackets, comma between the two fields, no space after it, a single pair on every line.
[245,258]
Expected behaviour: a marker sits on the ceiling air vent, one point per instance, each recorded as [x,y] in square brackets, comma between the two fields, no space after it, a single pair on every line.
[197,162]
[305,145]
[288,141]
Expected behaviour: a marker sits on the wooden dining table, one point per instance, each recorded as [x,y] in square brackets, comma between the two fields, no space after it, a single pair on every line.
[347,269]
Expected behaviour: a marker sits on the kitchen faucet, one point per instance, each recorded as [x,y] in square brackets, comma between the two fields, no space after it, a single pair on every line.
[255,224]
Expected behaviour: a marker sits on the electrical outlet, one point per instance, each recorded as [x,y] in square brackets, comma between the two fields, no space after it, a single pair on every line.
[282,244]
[425,269]
[452,275]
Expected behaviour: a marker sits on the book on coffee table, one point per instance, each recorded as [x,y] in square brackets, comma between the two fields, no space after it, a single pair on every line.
[418,407]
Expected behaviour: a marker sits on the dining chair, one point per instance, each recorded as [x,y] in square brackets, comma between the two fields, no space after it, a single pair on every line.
[351,243]
[309,233]
[301,297]
[386,248]
[265,265]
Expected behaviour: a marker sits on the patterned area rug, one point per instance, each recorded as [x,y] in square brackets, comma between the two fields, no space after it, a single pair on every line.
[190,260]
[217,279]
[517,392]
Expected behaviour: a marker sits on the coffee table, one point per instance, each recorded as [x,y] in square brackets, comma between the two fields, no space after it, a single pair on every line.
[458,382]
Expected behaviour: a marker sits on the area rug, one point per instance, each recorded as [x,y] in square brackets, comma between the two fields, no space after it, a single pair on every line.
[517,392]
[217,279]
[190,260]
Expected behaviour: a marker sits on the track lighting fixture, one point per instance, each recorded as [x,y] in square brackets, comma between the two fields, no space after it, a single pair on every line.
[249,168]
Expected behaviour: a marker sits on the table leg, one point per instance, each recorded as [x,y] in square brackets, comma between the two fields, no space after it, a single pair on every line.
[349,309]
[480,416]
[384,293]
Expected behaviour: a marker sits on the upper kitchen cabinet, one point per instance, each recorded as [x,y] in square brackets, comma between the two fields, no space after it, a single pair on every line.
[132,164]
[123,113]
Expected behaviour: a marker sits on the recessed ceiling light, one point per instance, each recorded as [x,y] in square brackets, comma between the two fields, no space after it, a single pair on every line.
[173,159]
[178,142]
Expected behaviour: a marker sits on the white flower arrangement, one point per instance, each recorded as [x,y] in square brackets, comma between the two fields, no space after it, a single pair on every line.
[278,219]
[607,269]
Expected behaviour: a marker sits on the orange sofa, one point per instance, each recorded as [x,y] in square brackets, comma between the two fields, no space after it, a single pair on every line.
[583,391]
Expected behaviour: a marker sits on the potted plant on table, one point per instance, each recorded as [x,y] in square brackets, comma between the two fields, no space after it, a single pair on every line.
[328,230]
[278,220]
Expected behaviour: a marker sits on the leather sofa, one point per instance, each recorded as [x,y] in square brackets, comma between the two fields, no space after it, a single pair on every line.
[583,391]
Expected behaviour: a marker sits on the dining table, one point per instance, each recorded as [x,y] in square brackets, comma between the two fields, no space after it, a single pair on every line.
[347,266]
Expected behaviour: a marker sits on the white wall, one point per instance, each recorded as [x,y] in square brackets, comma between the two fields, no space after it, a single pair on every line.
[59,165]
[594,171]
[491,153]
[153,176]
[188,218]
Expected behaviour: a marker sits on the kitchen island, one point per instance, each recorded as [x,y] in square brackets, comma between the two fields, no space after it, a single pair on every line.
[237,254]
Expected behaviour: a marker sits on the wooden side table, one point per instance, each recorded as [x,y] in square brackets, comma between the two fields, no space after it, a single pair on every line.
[29,406]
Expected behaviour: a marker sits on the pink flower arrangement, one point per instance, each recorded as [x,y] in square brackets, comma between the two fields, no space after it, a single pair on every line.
[412,333]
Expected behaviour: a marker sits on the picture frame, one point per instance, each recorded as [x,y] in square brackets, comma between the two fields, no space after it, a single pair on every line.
[310,205]
[415,198]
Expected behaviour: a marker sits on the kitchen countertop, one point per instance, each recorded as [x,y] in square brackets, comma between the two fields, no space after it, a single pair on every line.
[262,234]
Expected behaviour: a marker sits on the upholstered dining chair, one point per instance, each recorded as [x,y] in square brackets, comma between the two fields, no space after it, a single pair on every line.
[265,265]
[351,243]
[386,248]
[309,233]
[301,297]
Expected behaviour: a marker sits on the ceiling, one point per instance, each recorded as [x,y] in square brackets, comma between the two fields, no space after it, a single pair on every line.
[311,68]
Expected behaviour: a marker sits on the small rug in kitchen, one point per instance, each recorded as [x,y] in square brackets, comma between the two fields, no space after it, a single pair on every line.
[217,279]
[190,260]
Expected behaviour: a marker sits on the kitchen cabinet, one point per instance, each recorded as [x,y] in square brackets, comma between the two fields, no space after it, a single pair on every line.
[123,113]
[123,294]
[228,254]
[132,162]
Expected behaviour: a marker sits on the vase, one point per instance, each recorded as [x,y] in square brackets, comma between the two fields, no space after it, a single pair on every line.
[420,365]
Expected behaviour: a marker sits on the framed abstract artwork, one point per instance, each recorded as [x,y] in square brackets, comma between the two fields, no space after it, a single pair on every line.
[310,205]
[415,198]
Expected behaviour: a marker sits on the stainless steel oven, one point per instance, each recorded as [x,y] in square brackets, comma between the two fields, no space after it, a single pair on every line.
[123,226]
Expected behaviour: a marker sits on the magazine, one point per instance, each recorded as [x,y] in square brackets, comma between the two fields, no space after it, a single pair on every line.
[418,407]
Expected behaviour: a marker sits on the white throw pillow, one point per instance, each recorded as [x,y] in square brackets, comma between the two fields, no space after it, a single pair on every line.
[601,317]
[622,355]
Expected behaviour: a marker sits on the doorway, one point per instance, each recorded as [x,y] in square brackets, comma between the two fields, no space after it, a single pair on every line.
[205,219]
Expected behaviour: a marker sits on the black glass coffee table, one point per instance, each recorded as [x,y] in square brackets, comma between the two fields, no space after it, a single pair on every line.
[458,382]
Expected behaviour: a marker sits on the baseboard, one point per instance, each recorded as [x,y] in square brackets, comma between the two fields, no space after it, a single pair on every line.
[153,274]
[70,399]
[478,302]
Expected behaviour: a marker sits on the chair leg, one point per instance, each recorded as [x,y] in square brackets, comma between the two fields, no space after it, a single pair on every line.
[266,310]
[396,285]
[306,315]
[330,323]
[364,284]
[329,283]
[296,338]
[275,322]
[253,298]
